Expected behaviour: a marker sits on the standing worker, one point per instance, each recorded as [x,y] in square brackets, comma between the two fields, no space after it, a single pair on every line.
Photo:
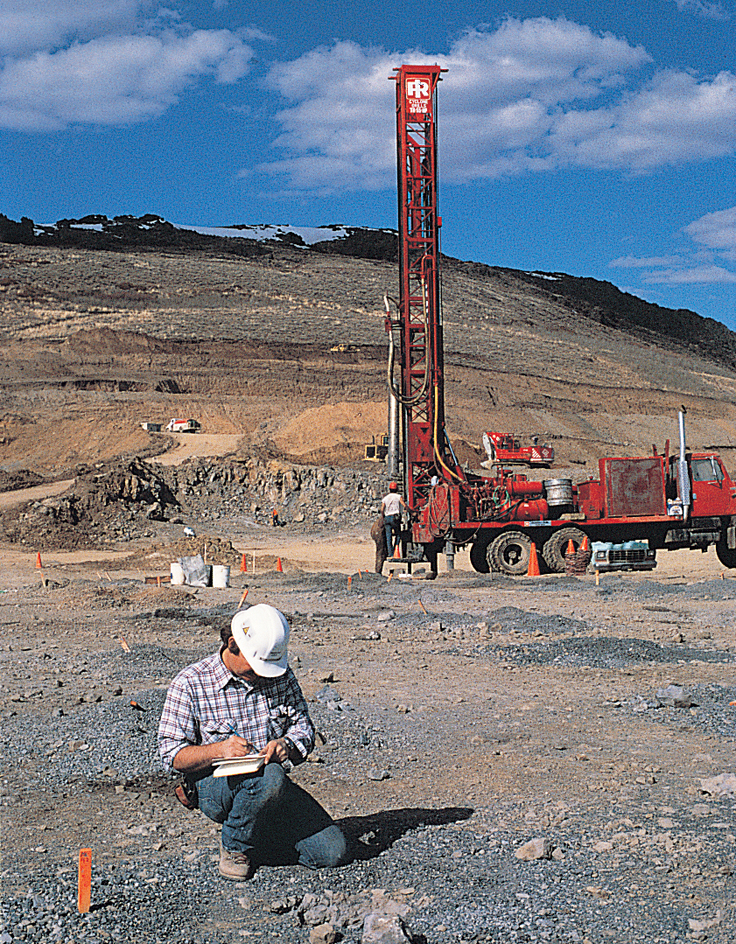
[245,699]
[391,506]
[378,533]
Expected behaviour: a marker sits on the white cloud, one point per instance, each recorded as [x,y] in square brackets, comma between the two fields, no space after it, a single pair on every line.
[25,28]
[694,275]
[551,61]
[715,238]
[340,130]
[633,262]
[103,63]
[532,95]
[499,102]
[715,230]
[674,118]
[708,9]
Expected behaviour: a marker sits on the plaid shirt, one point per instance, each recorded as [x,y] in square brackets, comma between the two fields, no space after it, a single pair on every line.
[206,703]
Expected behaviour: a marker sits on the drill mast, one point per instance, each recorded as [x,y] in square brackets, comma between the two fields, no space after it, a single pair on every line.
[417,325]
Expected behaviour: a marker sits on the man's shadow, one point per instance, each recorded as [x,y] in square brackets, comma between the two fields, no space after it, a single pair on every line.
[366,836]
[369,836]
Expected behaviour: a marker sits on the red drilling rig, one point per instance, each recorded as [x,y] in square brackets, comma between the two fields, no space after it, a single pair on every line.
[660,500]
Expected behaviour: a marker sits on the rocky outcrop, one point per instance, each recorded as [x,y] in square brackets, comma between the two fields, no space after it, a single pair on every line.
[107,506]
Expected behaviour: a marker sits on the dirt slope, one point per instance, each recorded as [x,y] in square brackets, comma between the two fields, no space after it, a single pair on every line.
[287,351]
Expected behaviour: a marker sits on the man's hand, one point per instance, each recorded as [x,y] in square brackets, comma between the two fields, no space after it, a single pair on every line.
[196,757]
[276,751]
[235,746]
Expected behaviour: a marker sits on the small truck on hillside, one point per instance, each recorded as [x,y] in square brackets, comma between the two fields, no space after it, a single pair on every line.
[182,426]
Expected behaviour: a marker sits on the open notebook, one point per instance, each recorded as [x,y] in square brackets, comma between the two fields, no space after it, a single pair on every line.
[230,766]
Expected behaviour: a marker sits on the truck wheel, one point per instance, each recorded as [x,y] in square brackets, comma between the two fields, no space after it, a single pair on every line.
[554,549]
[479,557]
[509,553]
[726,554]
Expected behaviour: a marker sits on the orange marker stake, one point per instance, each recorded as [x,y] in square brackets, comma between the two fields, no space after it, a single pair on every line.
[84,880]
[242,599]
[424,610]
[350,580]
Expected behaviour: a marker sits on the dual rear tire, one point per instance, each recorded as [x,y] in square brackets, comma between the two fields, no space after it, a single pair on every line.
[509,552]
[555,546]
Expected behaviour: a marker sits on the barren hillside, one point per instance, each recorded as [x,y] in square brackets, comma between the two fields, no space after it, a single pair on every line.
[285,347]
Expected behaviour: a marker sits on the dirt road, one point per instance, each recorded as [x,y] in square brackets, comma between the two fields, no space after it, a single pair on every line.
[20,496]
[197,446]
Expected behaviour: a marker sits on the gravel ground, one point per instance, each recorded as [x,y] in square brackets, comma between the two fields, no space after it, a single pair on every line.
[458,720]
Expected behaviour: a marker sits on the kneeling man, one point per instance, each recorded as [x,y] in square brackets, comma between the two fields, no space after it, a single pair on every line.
[246,699]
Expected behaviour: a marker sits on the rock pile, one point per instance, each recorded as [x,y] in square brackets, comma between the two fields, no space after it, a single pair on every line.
[118,503]
[104,505]
[299,495]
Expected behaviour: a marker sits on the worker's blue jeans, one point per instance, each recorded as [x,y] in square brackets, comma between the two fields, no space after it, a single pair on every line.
[270,818]
[392,525]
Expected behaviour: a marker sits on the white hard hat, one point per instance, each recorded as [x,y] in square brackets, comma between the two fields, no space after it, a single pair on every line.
[262,635]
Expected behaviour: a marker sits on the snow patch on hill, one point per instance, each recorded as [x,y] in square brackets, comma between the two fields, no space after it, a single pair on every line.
[309,235]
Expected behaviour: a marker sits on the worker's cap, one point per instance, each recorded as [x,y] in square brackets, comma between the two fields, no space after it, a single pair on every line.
[262,635]
[393,486]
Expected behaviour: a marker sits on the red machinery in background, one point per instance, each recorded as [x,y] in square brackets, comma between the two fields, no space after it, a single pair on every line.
[666,502]
[504,448]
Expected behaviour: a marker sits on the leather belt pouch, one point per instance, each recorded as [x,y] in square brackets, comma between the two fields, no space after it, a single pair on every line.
[186,794]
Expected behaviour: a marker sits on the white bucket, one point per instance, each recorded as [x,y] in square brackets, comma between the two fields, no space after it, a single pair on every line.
[177,573]
[220,576]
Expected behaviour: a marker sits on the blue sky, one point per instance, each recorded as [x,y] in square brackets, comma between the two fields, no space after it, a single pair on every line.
[594,138]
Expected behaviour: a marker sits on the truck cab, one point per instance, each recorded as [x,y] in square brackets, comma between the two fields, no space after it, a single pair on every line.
[713,491]
[711,517]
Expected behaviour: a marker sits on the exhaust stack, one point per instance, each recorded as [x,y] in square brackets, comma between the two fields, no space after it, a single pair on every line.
[683,477]
[394,430]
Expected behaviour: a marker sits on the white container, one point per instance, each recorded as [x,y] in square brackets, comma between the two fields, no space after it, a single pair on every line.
[220,576]
[177,574]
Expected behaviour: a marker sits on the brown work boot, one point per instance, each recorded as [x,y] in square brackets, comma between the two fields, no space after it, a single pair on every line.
[235,865]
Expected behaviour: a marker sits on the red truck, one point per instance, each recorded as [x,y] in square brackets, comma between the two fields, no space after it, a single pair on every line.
[667,502]
[672,502]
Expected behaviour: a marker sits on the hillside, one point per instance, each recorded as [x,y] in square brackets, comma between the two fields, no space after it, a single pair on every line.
[600,301]
[281,343]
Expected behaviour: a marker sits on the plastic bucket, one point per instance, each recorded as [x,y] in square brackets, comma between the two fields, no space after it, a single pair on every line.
[177,573]
[220,576]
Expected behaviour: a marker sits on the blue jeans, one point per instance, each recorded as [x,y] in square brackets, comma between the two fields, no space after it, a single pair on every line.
[272,819]
[392,525]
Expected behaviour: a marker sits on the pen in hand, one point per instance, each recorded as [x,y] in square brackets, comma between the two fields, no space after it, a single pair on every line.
[232,728]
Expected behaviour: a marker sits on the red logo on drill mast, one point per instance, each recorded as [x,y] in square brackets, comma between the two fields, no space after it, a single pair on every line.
[418,96]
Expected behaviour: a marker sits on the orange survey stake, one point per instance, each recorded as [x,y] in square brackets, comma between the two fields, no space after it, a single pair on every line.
[84,881]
